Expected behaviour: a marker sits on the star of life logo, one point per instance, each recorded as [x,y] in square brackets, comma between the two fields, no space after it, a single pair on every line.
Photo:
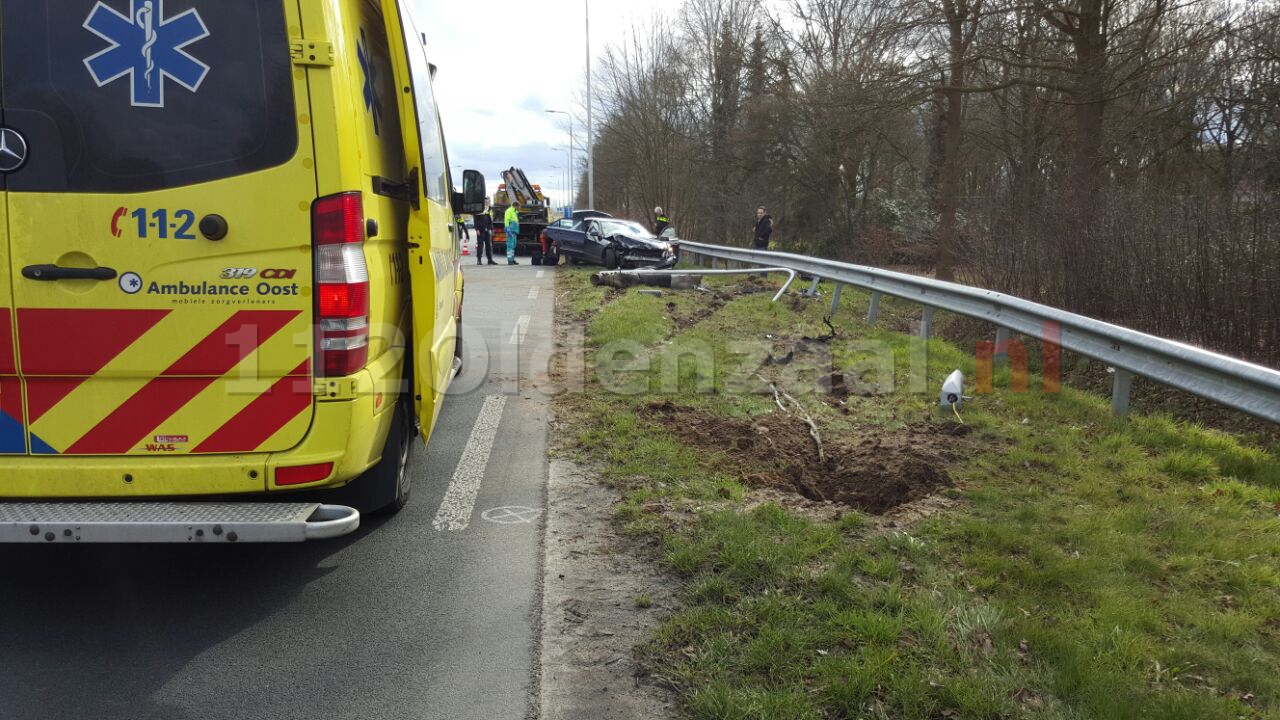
[372,98]
[131,283]
[147,47]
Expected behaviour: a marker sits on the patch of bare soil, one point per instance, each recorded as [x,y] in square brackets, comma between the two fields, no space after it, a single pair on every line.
[912,513]
[690,316]
[745,285]
[804,507]
[871,469]
[751,284]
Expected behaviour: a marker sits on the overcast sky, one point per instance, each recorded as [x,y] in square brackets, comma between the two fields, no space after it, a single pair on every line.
[503,63]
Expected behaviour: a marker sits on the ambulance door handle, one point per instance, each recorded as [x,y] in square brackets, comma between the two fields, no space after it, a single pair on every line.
[54,272]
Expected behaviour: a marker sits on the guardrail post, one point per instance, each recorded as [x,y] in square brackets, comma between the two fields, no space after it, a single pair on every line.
[926,323]
[813,288]
[835,298]
[1002,344]
[873,312]
[1120,387]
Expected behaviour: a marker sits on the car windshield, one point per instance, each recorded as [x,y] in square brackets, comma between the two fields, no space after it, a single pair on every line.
[623,227]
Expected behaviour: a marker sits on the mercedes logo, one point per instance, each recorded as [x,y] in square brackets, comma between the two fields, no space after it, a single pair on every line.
[13,150]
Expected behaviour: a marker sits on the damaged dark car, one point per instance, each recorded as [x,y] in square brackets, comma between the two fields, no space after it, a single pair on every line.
[613,244]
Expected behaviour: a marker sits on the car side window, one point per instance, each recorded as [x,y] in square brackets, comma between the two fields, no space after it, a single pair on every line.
[435,180]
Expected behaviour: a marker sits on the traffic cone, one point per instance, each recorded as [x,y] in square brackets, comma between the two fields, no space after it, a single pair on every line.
[466,248]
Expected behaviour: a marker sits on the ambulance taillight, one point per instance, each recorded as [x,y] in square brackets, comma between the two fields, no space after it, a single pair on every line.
[342,284]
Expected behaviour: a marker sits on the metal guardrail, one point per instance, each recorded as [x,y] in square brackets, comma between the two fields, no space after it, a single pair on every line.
[1241,385]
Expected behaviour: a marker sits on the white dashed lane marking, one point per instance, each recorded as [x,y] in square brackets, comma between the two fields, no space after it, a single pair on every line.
[522,327]
[541,274]
[533,293]
[459,501]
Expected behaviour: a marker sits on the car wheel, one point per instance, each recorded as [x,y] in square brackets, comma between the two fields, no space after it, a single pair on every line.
[384,488]
[551,259]
[610,259]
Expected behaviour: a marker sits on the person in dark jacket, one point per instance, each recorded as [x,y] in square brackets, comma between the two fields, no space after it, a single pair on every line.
[484,238]
[660,221]
[763,229]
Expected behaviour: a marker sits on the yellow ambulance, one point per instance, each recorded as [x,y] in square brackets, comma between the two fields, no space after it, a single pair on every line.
[231,272]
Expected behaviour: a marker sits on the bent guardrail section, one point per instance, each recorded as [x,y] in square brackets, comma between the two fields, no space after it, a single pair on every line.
[1238,384]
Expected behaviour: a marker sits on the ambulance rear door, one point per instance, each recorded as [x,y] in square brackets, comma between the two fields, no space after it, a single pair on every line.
[159,239]
[434,250]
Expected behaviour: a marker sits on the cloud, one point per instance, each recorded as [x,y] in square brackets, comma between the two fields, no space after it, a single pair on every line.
[503,64]
[532,103]
[543,165]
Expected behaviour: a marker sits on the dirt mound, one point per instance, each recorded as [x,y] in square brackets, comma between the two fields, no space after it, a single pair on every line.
[871,469]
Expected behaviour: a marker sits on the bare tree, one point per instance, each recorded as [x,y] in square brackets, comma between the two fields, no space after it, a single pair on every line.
[1118,157]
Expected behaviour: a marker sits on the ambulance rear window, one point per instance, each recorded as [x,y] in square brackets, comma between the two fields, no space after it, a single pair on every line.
[139,95]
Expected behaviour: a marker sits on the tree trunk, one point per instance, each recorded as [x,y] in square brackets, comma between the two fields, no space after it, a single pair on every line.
[949,189]
[1084,258]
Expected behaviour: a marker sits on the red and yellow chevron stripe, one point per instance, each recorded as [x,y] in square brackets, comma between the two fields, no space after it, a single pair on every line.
[13,433]
[111,382]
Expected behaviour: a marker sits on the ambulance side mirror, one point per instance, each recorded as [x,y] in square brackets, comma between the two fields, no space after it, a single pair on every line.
[473,193]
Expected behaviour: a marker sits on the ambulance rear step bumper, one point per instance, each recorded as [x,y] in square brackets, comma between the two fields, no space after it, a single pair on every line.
[173,522]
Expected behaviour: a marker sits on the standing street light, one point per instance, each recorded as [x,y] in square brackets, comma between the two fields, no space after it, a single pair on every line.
[571,141]
[564,185]
[566,171]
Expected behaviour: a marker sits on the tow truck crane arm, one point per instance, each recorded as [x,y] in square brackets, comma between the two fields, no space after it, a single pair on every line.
[520,188]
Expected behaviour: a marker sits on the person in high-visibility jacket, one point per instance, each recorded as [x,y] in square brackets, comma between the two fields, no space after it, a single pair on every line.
[511,223]
[660,221]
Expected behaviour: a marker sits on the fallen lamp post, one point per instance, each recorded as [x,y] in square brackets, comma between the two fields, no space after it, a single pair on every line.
[629,278]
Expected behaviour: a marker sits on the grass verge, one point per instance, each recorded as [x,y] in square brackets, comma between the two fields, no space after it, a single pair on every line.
[1078,566]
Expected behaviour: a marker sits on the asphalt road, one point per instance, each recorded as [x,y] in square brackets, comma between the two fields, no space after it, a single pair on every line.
[433,613]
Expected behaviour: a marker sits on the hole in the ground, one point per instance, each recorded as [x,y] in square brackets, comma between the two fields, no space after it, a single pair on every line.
[872,469]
